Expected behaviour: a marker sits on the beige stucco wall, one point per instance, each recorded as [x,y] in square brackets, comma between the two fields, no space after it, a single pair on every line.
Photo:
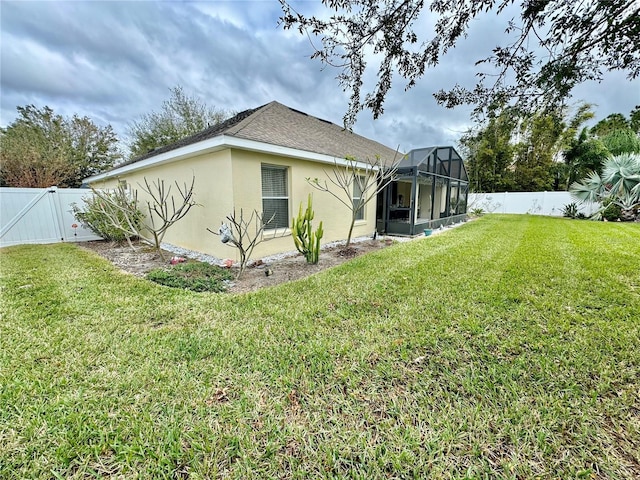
[232,178]
[336,217]
[212,191]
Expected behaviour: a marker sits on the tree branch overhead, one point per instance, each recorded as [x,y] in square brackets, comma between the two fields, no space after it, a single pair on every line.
[558,45]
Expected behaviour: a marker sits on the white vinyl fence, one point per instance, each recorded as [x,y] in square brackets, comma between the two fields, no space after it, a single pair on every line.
[535,203]
[41,215]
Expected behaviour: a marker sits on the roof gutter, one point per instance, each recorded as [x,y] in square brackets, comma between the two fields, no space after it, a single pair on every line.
[220,143]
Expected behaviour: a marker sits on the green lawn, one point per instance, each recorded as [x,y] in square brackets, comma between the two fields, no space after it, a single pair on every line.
[506,348]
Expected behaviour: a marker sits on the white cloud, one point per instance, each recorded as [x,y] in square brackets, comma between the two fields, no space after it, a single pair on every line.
[115,61]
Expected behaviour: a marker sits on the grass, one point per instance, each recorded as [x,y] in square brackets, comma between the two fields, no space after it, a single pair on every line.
[507,348]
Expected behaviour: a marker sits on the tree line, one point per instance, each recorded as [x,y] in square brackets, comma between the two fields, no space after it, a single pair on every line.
[508,150]
[41,148]
[512,150]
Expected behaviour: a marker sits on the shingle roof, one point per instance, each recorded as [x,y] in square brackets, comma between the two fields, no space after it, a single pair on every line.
[210,132]
[278,124]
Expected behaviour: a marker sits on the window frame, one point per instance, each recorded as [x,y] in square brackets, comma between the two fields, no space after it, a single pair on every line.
[360,213]
[287,197]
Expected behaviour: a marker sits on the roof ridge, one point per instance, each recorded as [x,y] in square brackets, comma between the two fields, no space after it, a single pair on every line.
[278,124]
[219,128]
[249,119]
[304,131]
[295,110]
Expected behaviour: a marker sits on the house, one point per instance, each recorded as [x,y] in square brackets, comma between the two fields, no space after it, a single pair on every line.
[257,160]
[430,190]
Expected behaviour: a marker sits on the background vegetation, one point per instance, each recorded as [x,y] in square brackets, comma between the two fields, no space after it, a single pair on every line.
[179,116]
[511,150]
[41,148]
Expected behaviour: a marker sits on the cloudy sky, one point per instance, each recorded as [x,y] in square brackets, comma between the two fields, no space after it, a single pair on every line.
[115,61]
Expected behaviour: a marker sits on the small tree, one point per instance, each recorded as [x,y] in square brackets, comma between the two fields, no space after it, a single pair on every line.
[243,234]
[121,210]
[162,209]
[357,184]
[582,156]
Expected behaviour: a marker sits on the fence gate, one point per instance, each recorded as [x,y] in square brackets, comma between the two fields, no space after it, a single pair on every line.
[41,215]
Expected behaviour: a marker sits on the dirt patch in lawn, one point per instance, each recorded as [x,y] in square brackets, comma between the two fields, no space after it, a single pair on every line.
[263,274]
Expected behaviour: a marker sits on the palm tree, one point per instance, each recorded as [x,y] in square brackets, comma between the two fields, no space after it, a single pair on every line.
[619,184]
[583,155]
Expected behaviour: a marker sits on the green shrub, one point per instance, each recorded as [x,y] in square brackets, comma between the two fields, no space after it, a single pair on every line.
[611,211]
[570,210]
[105,221]
[196,276]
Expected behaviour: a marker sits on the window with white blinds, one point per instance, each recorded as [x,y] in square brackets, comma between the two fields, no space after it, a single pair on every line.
[358,183]
[275,196]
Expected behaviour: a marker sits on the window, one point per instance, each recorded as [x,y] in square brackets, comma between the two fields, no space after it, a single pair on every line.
[358,183]
[275,196]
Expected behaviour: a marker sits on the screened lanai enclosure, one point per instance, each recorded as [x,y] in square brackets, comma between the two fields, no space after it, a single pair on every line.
[430,190]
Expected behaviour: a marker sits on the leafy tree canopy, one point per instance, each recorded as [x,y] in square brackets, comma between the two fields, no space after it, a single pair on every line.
[514,151]
[623,140]
[540,141]
[583,154]
[615,121]
[41,148]
[489,152]
[618,133]
[179,117]
[634,119]
[552,46]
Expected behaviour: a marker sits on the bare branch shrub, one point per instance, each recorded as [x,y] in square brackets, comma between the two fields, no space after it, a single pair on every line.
[163,212]
[244,234]
[108,214]
[121,210]
[357,183]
